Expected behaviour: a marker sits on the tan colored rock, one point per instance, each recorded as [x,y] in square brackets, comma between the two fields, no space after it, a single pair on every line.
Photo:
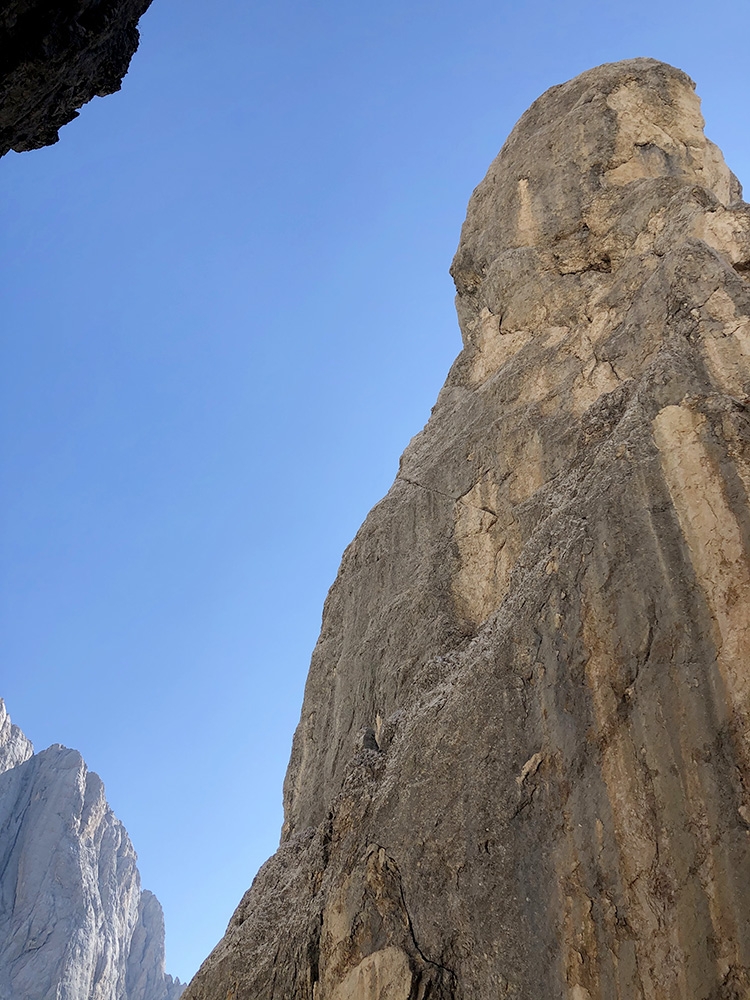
[545,622]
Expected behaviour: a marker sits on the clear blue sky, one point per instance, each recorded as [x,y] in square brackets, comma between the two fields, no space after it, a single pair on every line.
[226,309]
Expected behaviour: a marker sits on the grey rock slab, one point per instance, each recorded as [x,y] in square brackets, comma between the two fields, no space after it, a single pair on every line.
[74,923]
[146,978]
[69,890]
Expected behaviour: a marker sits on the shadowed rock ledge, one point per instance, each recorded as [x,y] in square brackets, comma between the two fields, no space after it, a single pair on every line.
[522,767]
[54,57]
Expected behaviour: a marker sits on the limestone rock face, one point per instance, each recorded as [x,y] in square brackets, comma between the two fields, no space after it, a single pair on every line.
[74,924]
[56,56]
[14,747]
[523,763]
[145,978]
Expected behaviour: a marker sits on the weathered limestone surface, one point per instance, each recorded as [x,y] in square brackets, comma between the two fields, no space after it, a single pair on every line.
[15,748]
[74,924]
[145,978]
[56,56]
[523,763]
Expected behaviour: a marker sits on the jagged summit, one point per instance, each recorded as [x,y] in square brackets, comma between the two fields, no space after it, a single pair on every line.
[553,257]
[544,623]
[559,182]
[74,923]
[15,748]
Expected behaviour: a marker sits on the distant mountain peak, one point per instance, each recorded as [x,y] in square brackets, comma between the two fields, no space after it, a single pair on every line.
[545,621]
[15,748]
[74,922]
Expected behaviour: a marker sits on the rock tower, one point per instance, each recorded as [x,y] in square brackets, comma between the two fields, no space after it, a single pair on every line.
[522,767]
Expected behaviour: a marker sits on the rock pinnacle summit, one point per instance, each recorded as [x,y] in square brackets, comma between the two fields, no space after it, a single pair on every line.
[545,621]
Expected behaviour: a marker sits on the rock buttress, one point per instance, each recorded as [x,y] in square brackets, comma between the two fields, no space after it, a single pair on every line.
[522,767]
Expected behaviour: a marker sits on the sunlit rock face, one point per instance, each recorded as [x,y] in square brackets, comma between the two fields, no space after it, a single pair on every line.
[74,924]
[522,767]
[14,747]
[145,978]
[54,57]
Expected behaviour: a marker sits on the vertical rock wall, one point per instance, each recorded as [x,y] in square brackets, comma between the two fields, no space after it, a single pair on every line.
[522,767]
[145,978]
[74,924]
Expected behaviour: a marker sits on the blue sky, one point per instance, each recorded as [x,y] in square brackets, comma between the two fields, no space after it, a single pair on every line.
[226,309]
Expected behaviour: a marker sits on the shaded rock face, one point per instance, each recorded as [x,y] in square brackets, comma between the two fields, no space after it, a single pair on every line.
[523,765]
[74,924]
[54,57]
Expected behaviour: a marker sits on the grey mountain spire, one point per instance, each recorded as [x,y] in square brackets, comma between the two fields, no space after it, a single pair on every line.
[74,924]
[14,747]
